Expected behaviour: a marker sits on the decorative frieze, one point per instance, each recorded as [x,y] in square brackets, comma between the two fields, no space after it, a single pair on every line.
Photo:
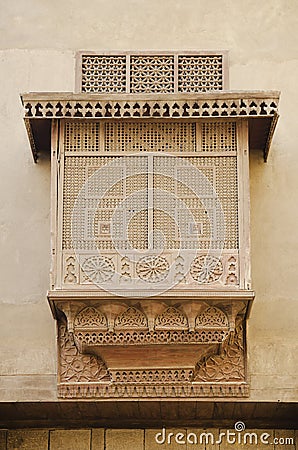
[121,390]
[135,337]
[98,107]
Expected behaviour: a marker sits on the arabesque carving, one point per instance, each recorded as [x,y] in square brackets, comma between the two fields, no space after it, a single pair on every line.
[152,268]
[209,354]
[228,366]
[172,318]
[232,278]
[206,269]
[212,317]
[90,317]
[130,319]
[98,268]
[70,275]
[75,367]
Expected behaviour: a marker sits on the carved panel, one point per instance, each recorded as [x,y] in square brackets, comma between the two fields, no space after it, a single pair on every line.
[74,366]
[90,317]
[103,73]
[212,317]
[200,73]
[229,365]
[232,277]
[151,74]
[152,268]
[206,269]
[98,268]
[70,270]
[171,318]
[130,319]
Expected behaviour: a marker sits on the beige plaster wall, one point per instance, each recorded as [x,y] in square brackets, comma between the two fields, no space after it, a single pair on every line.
[38,40]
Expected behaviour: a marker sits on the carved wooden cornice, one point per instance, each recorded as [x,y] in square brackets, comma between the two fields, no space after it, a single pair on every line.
[260,107]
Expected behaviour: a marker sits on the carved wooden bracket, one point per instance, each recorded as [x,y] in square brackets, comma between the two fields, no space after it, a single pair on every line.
[152,348]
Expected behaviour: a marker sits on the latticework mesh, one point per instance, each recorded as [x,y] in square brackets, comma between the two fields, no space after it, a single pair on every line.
[219,136]
[97,210]
[169,217]
[103,73]
[151,73]
[150,136]
[221,173]
[200,73]
[81,136]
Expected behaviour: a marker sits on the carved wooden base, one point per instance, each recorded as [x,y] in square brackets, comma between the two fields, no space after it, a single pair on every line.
[151,349]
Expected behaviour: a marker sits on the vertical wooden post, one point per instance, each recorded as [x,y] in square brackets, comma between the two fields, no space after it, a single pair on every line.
[54,187]
[244,204]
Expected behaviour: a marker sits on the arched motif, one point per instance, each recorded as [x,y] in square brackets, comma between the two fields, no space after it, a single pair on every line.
[172,318]
[131,318]
[90,317]
[212,317]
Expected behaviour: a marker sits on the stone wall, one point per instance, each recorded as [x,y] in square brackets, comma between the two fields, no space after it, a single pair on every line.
[138,439]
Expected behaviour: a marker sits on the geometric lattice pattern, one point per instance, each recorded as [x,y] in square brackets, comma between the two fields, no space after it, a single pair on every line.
[103,73]
[150,136]
[97,212]
[152,73]
[218,136]
[200,73]
[81,136]
[221,173]
[172,202]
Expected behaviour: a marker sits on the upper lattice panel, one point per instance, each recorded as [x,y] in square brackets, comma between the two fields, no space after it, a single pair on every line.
[152,73]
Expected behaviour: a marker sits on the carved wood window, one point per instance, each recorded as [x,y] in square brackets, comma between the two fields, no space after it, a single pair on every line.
[153,198]
[150,276]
